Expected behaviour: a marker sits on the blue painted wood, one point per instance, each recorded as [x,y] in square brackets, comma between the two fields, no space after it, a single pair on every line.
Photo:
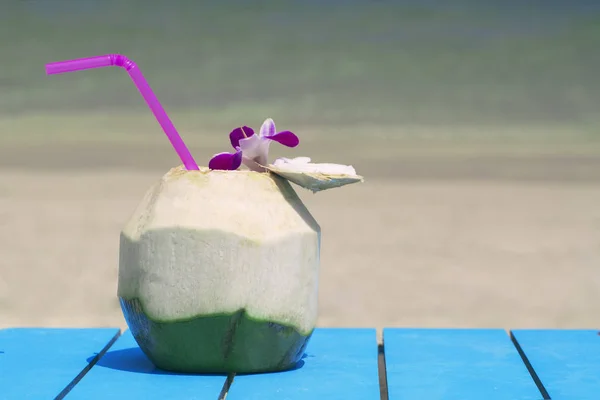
[124,372]
[339,364]
[567,362]
[461,364]
[45,363]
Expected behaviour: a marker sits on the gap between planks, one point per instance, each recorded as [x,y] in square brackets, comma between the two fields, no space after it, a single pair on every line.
[226,386]
[88,367]
[383,390]
[381,369]
[527,363]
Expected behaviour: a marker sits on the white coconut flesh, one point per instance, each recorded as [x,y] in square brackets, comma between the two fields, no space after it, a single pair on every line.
[214,242]
[314,176]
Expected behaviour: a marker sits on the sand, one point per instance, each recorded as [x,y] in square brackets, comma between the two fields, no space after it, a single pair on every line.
[395,252]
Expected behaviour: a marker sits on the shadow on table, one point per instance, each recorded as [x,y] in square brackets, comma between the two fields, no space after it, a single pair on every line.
[134,360]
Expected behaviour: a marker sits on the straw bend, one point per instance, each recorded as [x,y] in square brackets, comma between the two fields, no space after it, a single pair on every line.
[121,61]
[80,64]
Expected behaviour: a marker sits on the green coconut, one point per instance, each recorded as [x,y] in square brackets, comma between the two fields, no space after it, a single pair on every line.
[218,272]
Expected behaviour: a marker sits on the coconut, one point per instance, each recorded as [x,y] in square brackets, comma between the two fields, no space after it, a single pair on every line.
[218,272]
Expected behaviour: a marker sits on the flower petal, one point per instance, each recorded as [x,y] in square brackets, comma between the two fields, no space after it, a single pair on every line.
[226,161]
[267,128]
[253,165]
[237,134]
[285,138]
[255,148]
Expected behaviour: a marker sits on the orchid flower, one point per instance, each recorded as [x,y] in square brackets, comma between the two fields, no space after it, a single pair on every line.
[252,149]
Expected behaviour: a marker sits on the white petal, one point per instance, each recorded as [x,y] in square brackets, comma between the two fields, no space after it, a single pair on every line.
[255,148]
[253,165]
[267,128]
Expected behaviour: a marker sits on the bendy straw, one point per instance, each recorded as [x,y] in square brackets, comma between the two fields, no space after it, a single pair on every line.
[140,82]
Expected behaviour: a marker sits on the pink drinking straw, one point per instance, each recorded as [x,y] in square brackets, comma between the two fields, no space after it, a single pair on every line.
[140,82]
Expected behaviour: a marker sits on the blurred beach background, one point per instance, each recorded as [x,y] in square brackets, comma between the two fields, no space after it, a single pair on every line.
[476,125]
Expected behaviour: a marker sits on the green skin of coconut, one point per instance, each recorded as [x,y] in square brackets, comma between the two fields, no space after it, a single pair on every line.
[216,343]
[209,282]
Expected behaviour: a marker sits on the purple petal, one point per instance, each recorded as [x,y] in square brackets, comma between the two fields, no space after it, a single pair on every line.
[226,161]
[240,133]
[286,138]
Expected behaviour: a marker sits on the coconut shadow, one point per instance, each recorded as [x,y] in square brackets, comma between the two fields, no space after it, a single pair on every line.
[134,360]
[292,198]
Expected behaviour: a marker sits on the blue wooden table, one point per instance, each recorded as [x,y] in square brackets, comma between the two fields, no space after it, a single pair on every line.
[419,364]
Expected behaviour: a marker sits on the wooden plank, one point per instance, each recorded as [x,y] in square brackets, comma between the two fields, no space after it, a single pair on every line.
[566,362]
[339,364]
[462,364]
[46,363]
[124,372]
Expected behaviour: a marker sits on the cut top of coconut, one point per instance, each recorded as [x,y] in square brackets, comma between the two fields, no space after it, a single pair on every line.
[314,176]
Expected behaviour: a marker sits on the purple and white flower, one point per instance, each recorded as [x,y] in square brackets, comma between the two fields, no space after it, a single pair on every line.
[252,149]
